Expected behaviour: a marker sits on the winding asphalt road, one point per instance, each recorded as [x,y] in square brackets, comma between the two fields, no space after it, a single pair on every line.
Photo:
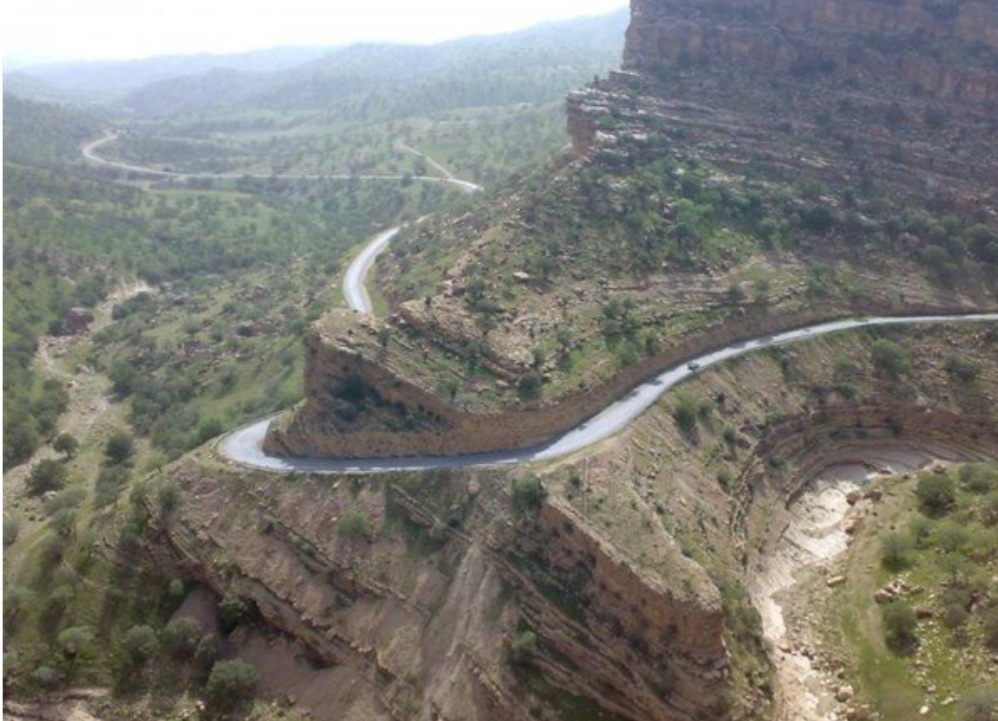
[244,445]
[90,153]
[354,287]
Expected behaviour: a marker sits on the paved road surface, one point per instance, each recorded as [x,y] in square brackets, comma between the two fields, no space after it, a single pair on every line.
[244,444]
[90,153]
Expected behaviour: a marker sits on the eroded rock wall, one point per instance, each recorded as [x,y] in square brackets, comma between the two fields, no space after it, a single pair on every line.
[841,91]
[315,430]
[413,625]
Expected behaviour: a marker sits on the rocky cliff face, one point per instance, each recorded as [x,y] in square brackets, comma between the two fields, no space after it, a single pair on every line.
[418,615]
[448,604]
[902,93]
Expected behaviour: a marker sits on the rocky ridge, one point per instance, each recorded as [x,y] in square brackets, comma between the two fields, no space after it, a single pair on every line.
[848,92]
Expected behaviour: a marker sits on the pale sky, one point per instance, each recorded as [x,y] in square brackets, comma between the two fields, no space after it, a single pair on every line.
[44,30]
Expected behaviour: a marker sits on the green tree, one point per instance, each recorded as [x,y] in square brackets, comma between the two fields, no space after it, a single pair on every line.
[66,444]
[528,493]
[230,685]
[46,678]
[529,386]
[232,610]
[47,475]
[180,637]
[890,359]
[141,643]
[119,448]
[936,494]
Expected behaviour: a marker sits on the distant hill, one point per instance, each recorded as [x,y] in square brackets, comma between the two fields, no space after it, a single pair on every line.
[41,133]
[384,81]
[105,80]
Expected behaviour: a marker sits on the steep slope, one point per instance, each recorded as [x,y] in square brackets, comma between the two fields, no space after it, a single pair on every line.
[622,592]
[705,200]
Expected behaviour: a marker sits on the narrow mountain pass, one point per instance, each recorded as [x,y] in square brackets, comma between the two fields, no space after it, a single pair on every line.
[245,444]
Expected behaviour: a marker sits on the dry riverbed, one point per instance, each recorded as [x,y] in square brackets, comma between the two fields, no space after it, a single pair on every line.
[817,533]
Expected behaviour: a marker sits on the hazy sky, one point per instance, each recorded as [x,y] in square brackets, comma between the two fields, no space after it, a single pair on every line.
[42,30]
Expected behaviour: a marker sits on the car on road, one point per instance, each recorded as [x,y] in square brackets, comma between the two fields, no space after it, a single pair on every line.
[692,365]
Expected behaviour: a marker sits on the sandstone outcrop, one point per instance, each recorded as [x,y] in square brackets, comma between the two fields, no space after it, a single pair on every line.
[412,622]
[902,94]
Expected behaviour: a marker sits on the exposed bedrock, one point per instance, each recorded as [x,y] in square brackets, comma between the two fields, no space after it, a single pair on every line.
[410,420]
[841,91]
[409,622]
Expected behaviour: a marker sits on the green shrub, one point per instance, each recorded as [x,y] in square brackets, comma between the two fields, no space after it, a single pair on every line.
[936,494]
[119,448]
[46,678]
[725,478]
[205,655]
[181,636]
[529,386]
[74,640]
[920,530]
[987,510]
[962,369]
[895,551]
[981,705]
[954,615]
[11,529]
[989,622]
[230,685]
[352,526]
[890,359]
[528,493]
[232,610]
[951,536]
[685,413]
[110,481]
[900,627]
[65,444]
[141,643]
[47,475]
[169,498]
[979,477]
[523,648]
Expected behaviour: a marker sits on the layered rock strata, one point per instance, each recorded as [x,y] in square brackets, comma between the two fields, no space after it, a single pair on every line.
[411,622]
[848,92]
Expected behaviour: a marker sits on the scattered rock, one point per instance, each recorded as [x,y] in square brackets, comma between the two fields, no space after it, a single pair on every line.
[924,711]
[835,581]
[844,693]
[853,497]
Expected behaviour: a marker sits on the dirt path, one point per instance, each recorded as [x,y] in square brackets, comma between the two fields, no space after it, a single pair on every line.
[68,706]
[814,537]
[89,391]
